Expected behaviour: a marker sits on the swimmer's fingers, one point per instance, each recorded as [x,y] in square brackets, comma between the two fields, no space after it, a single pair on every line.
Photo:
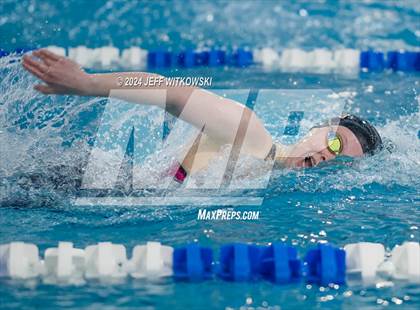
[47,55]
[31,69]
[37,68]
[46,58]
[41,67]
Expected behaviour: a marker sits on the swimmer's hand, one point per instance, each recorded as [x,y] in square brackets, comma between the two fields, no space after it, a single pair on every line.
[59,74]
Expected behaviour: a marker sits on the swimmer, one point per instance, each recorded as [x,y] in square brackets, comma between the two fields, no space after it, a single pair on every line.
[347,135]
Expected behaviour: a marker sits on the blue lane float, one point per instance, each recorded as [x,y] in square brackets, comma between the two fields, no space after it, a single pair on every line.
[159,59]
[240,58]
[279,264]
[239,262]
[192,263]
[287,60]
[326,264]
[371,60]
[3,53]
[406,61]
[187,59]
[212,58]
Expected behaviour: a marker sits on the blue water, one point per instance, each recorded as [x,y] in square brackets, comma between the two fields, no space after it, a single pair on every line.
[45,144]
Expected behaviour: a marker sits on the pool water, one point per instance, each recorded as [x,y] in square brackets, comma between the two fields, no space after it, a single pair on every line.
[45,143]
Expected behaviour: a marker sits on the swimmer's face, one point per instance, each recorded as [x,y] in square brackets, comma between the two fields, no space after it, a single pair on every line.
[313,149]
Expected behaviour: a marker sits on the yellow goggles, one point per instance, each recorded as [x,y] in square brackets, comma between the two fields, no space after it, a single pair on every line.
[334,143]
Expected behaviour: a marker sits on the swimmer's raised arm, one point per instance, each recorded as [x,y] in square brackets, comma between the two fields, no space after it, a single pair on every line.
[221,117]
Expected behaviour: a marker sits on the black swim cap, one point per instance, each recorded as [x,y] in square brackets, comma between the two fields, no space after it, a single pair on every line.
[367,135]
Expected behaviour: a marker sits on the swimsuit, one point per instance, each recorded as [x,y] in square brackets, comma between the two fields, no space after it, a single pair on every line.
[180,174]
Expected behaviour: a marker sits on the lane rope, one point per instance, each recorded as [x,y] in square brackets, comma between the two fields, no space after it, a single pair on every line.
[288,60]
[279,263]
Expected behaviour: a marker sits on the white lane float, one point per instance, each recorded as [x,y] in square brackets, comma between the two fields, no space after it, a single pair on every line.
[19,260]
[347,61]
[83,55]
[294,60]
[57,50]
[151,260]
[134,58]
[363,260]
[106,57]
[105,260]
[320,61]
[406,261]
[64,264]
[267,57]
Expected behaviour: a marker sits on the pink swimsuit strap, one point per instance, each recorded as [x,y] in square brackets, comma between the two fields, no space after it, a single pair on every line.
[178,172]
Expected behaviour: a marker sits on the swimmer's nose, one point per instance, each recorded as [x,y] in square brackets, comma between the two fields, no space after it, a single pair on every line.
[321,156]
[326,155]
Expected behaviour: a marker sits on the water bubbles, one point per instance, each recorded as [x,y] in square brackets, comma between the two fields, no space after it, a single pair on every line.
[164,37]
[384,284]
[348,294]
[382,302]
[326,298]
[208,232]
[369,89]
[303,12]
[396,300]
